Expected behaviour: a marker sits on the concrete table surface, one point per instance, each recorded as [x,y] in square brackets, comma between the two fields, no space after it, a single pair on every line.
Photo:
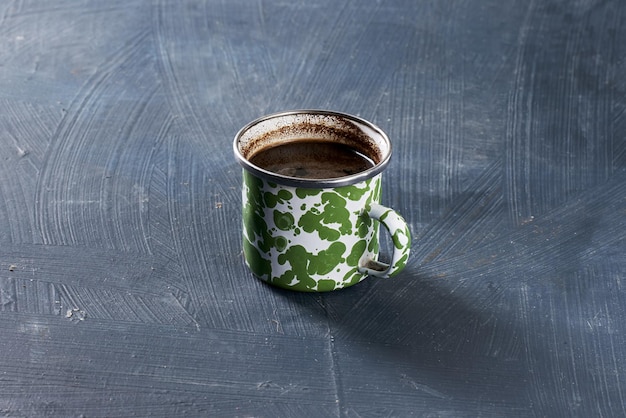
[123,290]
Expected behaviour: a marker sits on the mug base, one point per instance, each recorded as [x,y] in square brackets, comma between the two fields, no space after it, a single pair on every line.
[312,286]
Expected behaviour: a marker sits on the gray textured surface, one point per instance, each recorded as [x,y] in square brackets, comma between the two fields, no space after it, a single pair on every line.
[122,286]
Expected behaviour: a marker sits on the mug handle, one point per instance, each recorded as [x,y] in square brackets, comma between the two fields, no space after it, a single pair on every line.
[400,236]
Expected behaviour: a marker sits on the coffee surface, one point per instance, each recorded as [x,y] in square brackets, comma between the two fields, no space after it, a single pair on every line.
[312,159]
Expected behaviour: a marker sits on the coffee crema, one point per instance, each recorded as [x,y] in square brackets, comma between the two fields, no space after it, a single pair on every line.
[312,159]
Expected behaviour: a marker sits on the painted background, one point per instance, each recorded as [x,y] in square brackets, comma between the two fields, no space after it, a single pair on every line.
[122,285]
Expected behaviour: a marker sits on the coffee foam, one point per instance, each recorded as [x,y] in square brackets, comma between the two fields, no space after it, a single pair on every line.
[270,133]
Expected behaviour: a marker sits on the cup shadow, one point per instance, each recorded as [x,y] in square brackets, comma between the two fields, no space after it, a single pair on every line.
[418,338]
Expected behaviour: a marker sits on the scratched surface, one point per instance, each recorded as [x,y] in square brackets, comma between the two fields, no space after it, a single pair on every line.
[122,285]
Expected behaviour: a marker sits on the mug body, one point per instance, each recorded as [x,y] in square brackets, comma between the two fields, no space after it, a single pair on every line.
[309,239]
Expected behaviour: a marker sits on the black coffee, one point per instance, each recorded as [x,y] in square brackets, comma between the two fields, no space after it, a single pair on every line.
[312,159]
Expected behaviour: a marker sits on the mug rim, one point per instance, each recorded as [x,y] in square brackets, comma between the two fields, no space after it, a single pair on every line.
[306,182]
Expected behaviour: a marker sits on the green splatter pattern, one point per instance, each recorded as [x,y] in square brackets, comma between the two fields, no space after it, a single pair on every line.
[312,239]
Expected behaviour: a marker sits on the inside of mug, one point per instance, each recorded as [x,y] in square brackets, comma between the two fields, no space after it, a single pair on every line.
[285,128]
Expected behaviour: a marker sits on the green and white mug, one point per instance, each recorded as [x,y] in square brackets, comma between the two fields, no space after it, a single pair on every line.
[317,235]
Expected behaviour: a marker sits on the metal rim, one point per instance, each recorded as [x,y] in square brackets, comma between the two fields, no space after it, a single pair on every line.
[313,183]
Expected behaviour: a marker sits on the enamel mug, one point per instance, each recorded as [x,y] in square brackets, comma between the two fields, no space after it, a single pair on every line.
[317,234]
